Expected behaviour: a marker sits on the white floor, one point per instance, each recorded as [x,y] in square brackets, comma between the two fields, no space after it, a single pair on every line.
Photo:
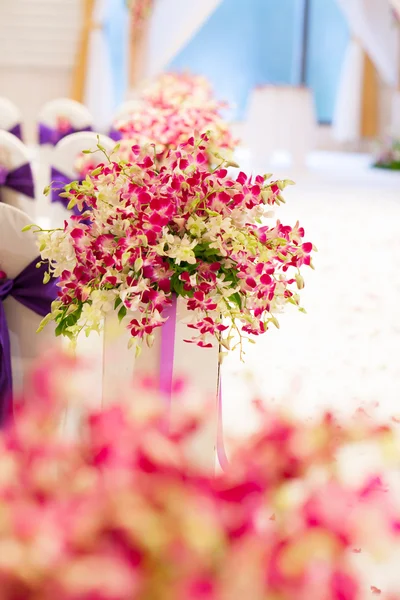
[346,351]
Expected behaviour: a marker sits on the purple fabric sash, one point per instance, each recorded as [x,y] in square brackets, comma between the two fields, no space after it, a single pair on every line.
[221,453]
[50,135]
[61,180]
[28,289]
[16,130]
[167,352]
[19,179]
[115,135]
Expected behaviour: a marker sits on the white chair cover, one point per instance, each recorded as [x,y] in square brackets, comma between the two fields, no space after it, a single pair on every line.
[281,119]
[77,114]
[17,250]
[64,158]
[126,109]
[13,154]
[9,114]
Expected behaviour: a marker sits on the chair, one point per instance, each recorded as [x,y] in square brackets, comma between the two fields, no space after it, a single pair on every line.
[123,112]
[17,185]
[62,117]
[18,250]
[65,165]
[10,118]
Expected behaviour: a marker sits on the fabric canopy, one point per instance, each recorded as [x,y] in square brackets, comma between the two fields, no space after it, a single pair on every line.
[173,23]
[373,31]
[106,55]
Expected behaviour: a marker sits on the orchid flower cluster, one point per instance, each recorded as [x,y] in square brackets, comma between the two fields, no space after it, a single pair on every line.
[178,88]
[389,158]
[170,112]
[122,513]
[85,164]
[180,229]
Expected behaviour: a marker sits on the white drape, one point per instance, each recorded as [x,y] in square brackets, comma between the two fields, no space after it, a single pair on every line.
[173,24]
[396,5]
[373,30]
[99,88]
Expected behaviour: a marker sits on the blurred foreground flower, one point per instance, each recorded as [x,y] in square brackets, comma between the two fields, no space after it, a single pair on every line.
[122,513]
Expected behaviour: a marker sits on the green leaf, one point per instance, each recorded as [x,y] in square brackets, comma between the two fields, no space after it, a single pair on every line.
[44,322]
[237,299]
[117,302]
[122,313]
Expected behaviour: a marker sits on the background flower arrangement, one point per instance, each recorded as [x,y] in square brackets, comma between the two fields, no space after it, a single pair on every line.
[389,157]
[153,232]
[122,513]
[170,111]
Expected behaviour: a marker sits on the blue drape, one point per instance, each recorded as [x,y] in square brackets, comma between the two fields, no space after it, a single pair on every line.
[116,30]
[246,43]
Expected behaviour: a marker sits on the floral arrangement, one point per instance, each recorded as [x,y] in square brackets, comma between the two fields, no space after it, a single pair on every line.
[85,164]
[169,111]
[180,229]
[389,158]
[171,125]
[177,88]
[122,513]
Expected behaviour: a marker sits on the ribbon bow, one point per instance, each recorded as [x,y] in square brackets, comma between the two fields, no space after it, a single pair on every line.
[19,179]
[51,135]
[115,134]
[28,289]
[16,130]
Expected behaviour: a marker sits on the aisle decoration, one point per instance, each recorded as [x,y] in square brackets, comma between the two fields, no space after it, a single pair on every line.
[122,513]
[26,288]
[169,111]
[177,88]
[62,128]
[153,233]
[389,158]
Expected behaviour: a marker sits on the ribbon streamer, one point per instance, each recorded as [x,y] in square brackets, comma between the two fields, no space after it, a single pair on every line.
[168,352]
[221,452]
[28,289]
[19,180]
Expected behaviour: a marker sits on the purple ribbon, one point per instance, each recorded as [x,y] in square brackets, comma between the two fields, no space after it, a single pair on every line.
[16,130]
[28,289]
[19,179]
[50,135]
[167,351]
[115,134]
[61,179]
[221,453]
